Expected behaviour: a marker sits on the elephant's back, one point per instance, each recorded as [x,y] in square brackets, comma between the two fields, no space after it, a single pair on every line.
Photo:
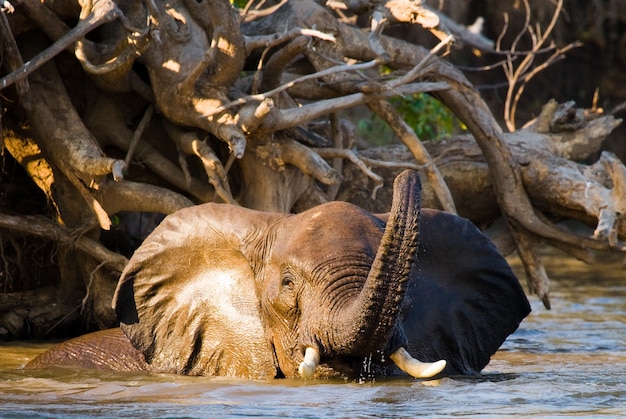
[104,350]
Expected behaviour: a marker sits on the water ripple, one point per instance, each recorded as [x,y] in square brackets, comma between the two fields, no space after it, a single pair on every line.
[569,361]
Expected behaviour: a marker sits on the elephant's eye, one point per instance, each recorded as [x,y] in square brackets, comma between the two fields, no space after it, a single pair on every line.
[288,281]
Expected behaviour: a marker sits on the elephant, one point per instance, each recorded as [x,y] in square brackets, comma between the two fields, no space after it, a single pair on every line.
[334,291]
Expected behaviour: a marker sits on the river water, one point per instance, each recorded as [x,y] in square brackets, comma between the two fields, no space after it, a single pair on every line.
[567,362]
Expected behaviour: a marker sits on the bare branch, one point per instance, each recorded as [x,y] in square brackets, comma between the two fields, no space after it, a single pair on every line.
[538,282]
[410,139]
[112,130]
[337,134]
[273,71]
[138,133]
[70,142]
[252,115]
[139,197]
[414,73]
[250,15]
[518,77]
[282,88]
[377,25]
[189,143]
[308,161]
[41,227]
[107,12]
[523,80]
[288,118]
[10,50]
[343,153]
[270,41]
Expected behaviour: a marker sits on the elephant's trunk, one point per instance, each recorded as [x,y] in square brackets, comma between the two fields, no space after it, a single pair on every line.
[367,323]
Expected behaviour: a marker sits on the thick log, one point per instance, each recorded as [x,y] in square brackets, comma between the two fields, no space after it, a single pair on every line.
[556,185]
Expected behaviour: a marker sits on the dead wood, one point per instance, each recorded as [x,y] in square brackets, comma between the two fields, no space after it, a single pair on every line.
[556,185]
[146,107]
[42,227]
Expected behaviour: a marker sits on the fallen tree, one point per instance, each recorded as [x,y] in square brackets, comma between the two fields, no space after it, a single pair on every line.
[146,107]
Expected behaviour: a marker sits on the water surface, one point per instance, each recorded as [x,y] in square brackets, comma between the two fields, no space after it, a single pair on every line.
[567,362]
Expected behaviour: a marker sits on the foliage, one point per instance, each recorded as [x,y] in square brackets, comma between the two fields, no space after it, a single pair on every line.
[428,117]
[240,4]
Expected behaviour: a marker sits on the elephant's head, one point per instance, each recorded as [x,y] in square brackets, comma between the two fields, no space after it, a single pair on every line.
[222,290]
[331,281]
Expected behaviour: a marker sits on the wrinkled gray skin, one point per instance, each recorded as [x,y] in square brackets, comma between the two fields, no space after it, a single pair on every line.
[223,290]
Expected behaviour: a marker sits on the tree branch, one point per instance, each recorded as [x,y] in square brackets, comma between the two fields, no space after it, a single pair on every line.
[107,12]
[44,228]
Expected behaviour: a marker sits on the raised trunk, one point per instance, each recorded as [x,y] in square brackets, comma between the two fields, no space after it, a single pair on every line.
[369,322]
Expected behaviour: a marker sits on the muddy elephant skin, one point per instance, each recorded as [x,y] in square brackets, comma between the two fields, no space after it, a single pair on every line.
[218,289]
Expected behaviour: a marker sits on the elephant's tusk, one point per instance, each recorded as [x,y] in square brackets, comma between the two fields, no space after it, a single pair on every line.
[309,365]
[416,368]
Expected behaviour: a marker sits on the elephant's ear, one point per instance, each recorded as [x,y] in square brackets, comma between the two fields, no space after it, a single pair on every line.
[465,298]
[187,297]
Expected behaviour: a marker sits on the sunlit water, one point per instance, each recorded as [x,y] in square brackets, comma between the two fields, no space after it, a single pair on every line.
[567,362]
